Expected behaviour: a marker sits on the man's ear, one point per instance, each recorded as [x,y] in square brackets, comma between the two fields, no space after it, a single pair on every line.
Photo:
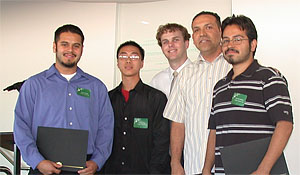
[253,45]
[54,47]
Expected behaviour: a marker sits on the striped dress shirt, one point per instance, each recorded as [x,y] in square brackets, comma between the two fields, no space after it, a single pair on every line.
[190,103]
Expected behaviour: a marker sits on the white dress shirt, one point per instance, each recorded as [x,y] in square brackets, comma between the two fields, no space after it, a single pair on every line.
[162,80]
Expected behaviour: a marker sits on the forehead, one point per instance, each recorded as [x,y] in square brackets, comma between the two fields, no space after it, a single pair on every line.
[129,50]
[69,36]
[233,30]
[168,34]
[203,20]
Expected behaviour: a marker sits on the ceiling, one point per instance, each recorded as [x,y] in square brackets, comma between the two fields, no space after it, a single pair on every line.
[88,1]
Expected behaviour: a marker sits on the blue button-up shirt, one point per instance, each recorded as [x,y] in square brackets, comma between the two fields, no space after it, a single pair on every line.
[48,99]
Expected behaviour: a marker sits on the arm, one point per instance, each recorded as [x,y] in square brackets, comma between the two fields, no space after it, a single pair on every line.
[160,158]
[210,153]
[278,142]
[23,125]
[177,143]
[104,134]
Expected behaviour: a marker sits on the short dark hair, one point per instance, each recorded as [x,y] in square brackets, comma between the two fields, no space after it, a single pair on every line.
[68,28]
[171,27]
[218,19]
[244,23]
[132,43]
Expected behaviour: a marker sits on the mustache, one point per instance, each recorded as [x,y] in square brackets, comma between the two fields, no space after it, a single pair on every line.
[232,50]
[204,38]
[73,54]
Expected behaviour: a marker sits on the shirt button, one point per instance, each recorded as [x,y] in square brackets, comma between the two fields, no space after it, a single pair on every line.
[71,123]
[125,118]
[124,133]
[70,108]
[70,94]
[123,148]
[122,163]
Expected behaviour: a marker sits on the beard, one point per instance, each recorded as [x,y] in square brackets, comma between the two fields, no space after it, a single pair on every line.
[67,64]
[234,61]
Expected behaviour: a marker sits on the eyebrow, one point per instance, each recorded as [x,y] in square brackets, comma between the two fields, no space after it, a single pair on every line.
[129,53]
[234,36]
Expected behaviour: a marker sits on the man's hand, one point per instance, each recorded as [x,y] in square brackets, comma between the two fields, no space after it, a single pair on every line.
[48,167]
[258,172]
[91,168]
[177,169]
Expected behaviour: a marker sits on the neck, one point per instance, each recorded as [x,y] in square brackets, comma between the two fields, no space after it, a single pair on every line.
[174,64]
[240,68]
[65,70]
[129,83]
[211,56]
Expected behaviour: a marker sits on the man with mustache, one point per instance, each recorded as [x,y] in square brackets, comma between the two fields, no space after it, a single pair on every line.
[250,103]
[64,97]
[189,103]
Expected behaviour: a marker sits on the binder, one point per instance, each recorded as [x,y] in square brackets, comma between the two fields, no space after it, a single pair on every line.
[63,146]
[244,158]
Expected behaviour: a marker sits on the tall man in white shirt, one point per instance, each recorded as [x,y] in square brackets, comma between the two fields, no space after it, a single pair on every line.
[174,41]
[190,100]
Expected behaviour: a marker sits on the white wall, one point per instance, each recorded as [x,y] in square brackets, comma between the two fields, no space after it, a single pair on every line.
[140,21]
[26,36]
[277,24]
[27,32]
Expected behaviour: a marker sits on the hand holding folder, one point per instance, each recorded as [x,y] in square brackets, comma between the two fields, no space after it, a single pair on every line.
[66,147]
[244,158]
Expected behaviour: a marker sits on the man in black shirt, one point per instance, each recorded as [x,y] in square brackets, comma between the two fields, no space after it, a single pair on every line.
[141,134]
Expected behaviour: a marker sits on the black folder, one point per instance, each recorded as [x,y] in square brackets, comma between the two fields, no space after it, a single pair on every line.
[65,146]
[244,158]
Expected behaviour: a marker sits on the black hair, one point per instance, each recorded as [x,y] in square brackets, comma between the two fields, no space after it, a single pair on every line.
[244,23]
[132,43]
[68,28]
[218,19]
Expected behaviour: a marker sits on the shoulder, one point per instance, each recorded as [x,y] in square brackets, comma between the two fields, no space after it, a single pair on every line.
[154,93]
[34,79]
[93,80]
[160,74]
[269,74]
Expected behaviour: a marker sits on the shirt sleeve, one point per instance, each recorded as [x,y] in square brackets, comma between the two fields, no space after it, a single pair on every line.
[277,99]
[23,125]
[160,158]
[104,138]
[211,121]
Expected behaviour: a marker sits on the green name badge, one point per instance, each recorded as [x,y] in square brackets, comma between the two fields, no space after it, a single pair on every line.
[83,92]
[238,99]
[140,123]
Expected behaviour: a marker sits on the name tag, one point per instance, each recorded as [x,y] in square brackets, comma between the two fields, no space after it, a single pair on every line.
[140,123]
[83,92]
[238,99]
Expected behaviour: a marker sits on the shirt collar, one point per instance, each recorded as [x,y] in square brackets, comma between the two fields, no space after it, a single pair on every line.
[138,87]
[248,72]
[201,59]
[171,71]
[52,70]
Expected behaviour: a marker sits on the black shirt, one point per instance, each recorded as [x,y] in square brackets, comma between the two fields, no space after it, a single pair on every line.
[141,133]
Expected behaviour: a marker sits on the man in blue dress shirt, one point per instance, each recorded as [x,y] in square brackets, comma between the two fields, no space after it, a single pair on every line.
[64,97]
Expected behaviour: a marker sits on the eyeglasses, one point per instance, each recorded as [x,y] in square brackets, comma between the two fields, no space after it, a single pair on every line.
[235,41]
[132,57]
